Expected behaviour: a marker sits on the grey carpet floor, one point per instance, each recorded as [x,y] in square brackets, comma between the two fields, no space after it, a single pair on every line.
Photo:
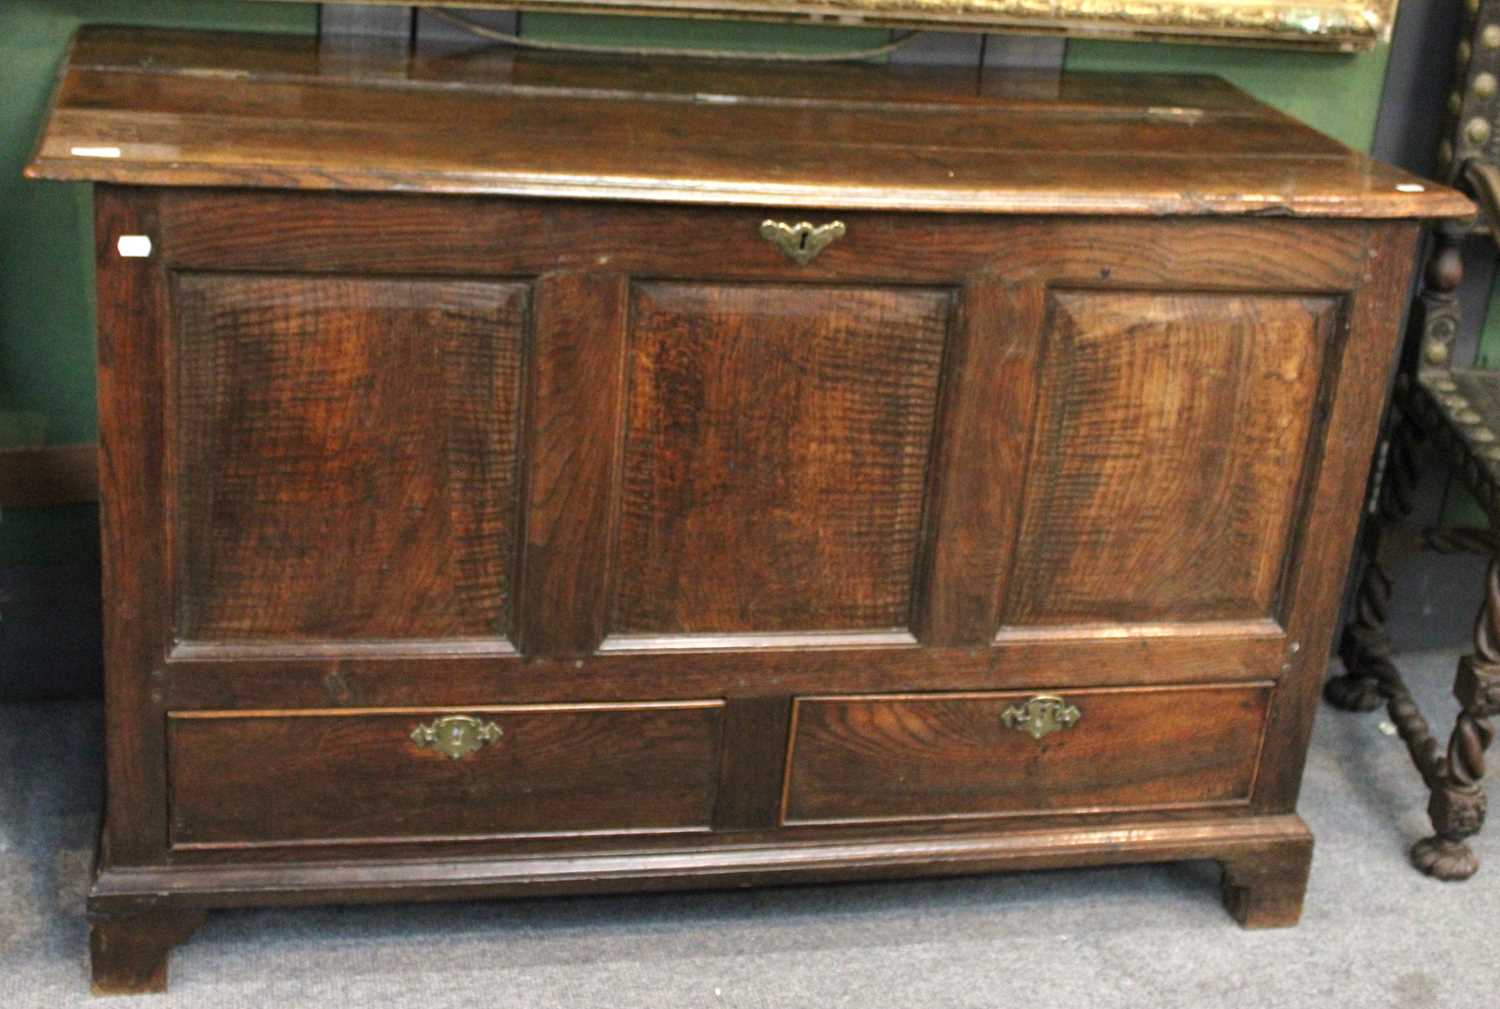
[1374,933]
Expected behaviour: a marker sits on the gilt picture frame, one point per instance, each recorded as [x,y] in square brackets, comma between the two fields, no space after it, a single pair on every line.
[1334,25]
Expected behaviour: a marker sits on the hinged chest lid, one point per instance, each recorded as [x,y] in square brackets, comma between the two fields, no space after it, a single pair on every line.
[177,108]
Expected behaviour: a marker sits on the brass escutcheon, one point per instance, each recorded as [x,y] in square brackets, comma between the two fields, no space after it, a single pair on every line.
[455,735]
[1043,714]
[801,242]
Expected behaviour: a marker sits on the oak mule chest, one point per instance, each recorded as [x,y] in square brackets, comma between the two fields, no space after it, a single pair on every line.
[544,476]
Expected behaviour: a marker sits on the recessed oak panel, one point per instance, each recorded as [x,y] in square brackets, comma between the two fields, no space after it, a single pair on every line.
[271,778]
[939,756]
[775,456]
[1172,433]
[347,456]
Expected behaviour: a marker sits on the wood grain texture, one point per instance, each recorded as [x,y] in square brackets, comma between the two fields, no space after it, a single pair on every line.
[133,302]
[776,455]
[941,756]
[1264,887]
[363,437]
[271,778]
[1171,437]
[1257,839]
[212,676]
[687,844]
[750,771]
[1362,358]
[1103,150]
[128,953]
[349,448]
[981,459]
[550,114]
[468,236]
[572,444]
[254,55]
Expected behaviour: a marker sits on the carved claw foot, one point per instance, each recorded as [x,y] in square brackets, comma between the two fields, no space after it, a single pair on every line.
[1353,693]
[1444,858]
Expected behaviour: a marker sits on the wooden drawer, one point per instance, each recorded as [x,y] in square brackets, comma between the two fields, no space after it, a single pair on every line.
[935,756]
[247,779]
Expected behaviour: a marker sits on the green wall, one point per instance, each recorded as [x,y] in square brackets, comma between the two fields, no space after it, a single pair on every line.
[46,312]
[1489,336]
[1336,93]
[46,273]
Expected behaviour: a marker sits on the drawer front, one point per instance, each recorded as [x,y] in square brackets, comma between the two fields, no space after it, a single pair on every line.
[247,779]
[911,757]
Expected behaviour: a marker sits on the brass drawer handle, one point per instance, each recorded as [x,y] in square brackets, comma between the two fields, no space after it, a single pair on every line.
[801,242]
[1043,714]
[455,735]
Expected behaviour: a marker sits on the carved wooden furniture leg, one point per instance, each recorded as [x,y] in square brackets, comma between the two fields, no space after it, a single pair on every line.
[1458,801]
[1264,888]
[1370,677]
[128,952]
[1459,409]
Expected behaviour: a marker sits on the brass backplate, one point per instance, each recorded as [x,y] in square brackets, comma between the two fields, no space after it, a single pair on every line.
[1042,715]
[456,736]
[801,242]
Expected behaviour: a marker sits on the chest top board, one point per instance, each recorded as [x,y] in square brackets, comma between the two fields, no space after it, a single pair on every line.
[544,475]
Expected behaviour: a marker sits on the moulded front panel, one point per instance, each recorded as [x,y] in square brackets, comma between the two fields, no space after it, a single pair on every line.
[1171,438]
[776,455]
[346,456]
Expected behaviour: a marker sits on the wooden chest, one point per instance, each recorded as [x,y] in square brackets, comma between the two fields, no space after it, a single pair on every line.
[547,476]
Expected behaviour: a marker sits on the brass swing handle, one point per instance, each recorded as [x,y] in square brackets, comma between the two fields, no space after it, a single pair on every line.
[801,242]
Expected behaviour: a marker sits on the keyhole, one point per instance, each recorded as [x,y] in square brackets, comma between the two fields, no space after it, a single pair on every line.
[802,241]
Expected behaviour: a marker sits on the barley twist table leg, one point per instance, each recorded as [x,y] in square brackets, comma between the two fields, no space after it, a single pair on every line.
[1458,801]
[1370,678]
